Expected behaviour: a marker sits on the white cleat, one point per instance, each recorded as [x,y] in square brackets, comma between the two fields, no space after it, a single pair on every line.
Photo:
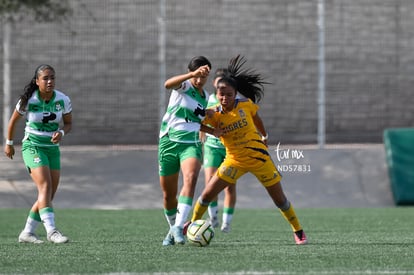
[225,228]
[214,222]
[27,237]
[56,237]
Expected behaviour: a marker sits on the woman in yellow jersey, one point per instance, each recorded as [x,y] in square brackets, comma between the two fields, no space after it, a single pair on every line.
[214,154]
[245,138]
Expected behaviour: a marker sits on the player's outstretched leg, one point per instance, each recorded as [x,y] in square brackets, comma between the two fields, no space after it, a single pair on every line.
[288,212]
[199,209]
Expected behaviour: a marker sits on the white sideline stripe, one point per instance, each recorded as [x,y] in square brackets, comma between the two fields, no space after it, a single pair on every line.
[355,272]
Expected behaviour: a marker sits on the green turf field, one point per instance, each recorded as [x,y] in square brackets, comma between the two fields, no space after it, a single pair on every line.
[342,241]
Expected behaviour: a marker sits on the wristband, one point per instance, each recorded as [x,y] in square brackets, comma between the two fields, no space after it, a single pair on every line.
[62,132]
[9,142]
[265,137]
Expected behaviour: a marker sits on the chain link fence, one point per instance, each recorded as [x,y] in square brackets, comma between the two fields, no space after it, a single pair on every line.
[111,58]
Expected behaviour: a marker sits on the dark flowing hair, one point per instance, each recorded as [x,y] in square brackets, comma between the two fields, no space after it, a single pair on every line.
[245,81]
[31,87]
[198,61]
[220,72]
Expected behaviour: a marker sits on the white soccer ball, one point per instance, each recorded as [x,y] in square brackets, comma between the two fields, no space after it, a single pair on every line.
[200,233]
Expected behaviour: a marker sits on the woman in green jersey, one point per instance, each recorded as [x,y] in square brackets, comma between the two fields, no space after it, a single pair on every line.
[179,146]
[45,109]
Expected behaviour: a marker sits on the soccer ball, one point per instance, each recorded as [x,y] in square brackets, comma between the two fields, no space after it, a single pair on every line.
[200,233]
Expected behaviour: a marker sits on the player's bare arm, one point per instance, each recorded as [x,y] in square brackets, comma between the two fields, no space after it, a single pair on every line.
[175,81]
[9,147]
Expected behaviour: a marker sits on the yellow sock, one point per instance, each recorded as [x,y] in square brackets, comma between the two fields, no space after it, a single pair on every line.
[198,211]
[291,218]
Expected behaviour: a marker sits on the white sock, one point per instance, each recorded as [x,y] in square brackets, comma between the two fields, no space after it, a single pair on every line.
[213,211]
[171,219]
[48,219]
[182,215]
[227,218]
[31,225]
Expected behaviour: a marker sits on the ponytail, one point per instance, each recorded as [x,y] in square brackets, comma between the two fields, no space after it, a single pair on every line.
[245,81]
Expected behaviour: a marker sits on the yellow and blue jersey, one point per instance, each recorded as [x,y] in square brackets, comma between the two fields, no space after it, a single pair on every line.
[243,142]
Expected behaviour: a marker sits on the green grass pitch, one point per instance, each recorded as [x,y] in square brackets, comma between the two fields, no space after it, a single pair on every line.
[341,241]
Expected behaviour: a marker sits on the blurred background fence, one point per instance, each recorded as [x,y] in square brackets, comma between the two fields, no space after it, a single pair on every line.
[111,58]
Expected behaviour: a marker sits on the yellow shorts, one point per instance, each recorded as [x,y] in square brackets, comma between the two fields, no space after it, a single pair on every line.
[267,173]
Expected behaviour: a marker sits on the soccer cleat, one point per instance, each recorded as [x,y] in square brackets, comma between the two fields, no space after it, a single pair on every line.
[169,240]
[225,228]
[27,237]
[56,237]
[214,222]
[177,233]
[300,237]
[186,224]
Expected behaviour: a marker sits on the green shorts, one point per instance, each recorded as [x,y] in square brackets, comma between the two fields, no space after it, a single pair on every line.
[171,154]
[36,156]
[213,156]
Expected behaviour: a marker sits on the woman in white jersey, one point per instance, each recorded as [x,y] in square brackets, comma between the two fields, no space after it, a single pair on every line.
[180,146]
[45,109]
